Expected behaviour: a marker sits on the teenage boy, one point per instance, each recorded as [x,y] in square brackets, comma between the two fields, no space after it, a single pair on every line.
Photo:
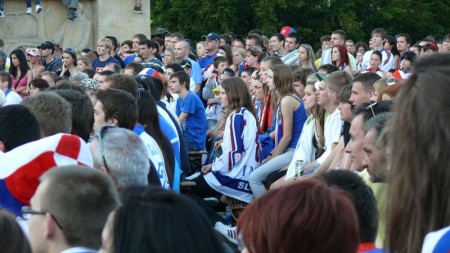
[103,47]
[190,112]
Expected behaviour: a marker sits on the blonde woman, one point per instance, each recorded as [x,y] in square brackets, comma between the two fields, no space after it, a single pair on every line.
[306,57]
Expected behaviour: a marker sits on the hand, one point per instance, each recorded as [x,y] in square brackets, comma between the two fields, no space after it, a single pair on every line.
[210,101]
[206,169]
[217,145]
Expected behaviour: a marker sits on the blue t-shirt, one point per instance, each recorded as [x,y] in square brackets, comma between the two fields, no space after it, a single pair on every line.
[207,60]
[196,73]
[194,127]
[98,65]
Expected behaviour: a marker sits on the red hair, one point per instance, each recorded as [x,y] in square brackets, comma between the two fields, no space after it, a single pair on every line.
[308,216]
[343,56]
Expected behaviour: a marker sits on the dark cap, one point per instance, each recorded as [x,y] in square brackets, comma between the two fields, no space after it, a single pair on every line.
[47,45]
[212,37]
[186,64]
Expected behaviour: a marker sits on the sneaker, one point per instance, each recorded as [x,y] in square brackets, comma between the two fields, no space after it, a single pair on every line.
[193,176]
[38,8]
[137,9]
[72,14]
[2,14]
[227,232]
[211,201]
[29,10]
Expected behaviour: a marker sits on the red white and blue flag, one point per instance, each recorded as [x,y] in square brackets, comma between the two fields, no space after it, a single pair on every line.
[21,168]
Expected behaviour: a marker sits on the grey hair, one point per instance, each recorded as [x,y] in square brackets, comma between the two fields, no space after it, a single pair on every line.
[378,122]
[78,76]
[126,157]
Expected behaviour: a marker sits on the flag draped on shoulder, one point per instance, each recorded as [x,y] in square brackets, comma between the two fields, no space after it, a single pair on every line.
[21,168]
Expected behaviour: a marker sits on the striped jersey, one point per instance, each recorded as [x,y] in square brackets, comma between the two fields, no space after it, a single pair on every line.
[240,156]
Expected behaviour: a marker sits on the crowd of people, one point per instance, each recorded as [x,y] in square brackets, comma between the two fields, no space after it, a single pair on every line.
[338,150]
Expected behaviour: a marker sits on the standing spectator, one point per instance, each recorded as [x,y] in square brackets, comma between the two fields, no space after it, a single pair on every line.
[339,57]
[20,72]
[379,36]
[50,62]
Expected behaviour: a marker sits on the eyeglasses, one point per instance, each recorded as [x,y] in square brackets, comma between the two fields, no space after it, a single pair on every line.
[100,134]
[27,212]
[371,108]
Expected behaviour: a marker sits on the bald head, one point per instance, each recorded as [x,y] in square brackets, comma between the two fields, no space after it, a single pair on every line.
[182,49]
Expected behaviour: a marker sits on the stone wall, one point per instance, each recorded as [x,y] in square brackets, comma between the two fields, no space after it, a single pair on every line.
[96,19]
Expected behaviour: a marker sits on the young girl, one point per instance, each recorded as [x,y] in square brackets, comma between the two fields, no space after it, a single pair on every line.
[375,62]
[290,117]
[20,72]
[339,57]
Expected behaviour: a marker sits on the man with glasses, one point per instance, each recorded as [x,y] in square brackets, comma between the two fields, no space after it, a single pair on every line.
[127,160]
[69,209]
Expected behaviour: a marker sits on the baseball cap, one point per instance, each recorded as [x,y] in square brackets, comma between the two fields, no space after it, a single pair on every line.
[212,37]
[47,45]
[186,64]
[286,30]
[33,51]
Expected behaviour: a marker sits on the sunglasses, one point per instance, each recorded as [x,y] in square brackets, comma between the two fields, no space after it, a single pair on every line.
[100,135]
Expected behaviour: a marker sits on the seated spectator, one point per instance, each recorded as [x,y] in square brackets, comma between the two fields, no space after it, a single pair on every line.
[69,66]
[38,85]
[69,209]
[6,87]
[419,134]
[13,238]
[119,108]
[50,62]
[190,112]
[364,202]
[84,63]
[82,112]
[125,163]
[114,67]
[133,68]
[77,77]
[166,227]
[229,173]
[322,214]
[51,78]
[17,126]
[103,47]
[53,113]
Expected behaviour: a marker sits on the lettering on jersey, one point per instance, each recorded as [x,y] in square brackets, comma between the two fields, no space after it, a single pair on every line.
[243,186]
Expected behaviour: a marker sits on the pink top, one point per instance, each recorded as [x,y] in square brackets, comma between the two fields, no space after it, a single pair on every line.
[22,83]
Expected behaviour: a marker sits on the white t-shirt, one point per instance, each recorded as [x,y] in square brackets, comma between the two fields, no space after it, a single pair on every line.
[305,149]
[12,99]
[387,62]
[332,133]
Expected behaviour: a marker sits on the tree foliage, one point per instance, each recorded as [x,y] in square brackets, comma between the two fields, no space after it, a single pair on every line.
[311,19]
